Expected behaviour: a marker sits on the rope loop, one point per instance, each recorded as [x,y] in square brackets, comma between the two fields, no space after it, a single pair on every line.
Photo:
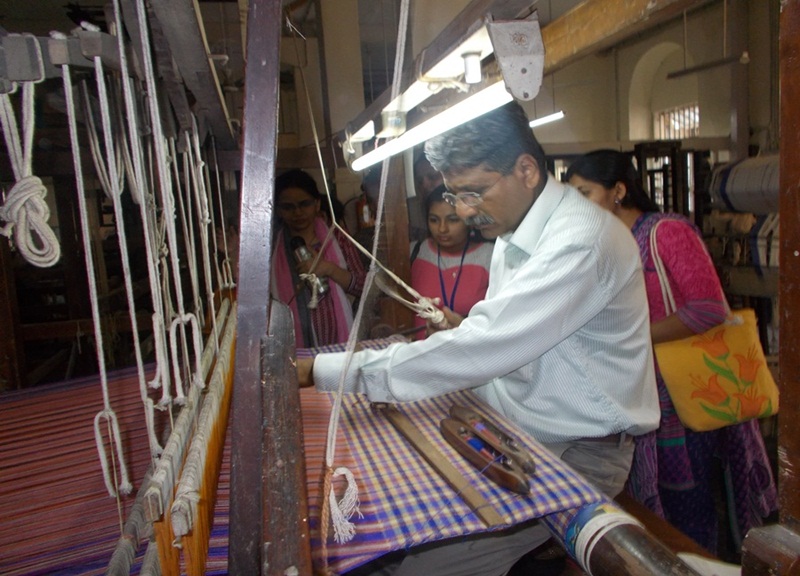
[26,213]
[125,486]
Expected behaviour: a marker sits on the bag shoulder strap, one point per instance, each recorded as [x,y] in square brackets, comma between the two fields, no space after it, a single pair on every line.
[415,251]
[666,289]
[663,279]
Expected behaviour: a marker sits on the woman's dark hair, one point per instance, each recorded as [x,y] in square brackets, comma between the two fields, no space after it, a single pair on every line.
[435,195]
[297,178]
[607,167]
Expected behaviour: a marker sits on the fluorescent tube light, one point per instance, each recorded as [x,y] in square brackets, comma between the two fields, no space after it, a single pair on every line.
[546,119]
[479,103]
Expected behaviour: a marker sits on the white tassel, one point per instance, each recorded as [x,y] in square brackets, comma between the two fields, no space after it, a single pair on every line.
[343,510]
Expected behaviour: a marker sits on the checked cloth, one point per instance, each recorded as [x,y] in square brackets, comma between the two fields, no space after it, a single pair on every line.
[403,501]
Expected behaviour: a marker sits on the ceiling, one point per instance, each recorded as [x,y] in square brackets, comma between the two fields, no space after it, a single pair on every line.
[223,23]
[221,33]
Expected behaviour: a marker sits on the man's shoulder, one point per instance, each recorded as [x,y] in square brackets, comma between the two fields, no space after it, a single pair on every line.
[578,216]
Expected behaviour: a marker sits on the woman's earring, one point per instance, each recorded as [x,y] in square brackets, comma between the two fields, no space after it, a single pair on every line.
[617,201]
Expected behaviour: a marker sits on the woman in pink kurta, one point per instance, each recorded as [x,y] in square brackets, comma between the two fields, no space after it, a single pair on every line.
[450,264]
[674,468]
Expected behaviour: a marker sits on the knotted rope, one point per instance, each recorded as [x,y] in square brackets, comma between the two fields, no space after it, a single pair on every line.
[24,210]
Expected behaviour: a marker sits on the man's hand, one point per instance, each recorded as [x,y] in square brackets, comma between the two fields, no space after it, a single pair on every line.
[451,320]
[305,372]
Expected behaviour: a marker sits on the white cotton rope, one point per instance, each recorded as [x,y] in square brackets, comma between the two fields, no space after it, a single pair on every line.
[164,180]
[181,317]
[144,198]
[197,380]
[25,210]
[341,511]
[226,280]
[187,494]
[115,180]
[165,476]
[184,211]
[203,217]
[95,148]
[125,486]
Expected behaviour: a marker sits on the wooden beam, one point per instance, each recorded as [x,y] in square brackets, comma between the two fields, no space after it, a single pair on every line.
[286,539]
[246,553]
[183,28]
[599,24]
[776,549]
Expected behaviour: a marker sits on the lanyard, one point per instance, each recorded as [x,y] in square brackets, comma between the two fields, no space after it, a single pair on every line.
[451,303]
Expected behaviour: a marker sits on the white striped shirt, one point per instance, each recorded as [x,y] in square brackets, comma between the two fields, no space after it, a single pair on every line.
[561,344]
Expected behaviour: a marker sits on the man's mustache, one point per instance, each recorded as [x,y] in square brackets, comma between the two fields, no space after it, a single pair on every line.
[479,220]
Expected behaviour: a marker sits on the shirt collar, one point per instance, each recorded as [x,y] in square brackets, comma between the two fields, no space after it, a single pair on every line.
[526,236]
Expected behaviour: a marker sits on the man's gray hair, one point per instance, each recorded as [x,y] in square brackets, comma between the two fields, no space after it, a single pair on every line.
[494,141]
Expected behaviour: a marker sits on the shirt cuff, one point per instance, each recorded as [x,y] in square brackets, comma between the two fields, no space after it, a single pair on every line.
[374,383]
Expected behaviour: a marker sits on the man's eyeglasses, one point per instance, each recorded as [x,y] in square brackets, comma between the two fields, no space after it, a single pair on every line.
[291,206]
[468,197]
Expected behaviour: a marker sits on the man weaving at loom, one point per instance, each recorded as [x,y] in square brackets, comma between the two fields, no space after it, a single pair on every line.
[560,345]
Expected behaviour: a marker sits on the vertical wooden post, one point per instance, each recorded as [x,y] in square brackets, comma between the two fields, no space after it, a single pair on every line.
[395,235]
[789,294]
[254,543]
[776,549]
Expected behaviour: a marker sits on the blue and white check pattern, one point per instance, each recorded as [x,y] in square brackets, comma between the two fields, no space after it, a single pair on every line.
[404,502]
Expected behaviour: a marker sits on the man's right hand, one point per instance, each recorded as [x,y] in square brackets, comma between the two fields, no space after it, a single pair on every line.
[305,372]
[451,320]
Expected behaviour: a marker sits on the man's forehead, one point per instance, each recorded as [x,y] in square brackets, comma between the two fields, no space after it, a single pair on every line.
[468,177]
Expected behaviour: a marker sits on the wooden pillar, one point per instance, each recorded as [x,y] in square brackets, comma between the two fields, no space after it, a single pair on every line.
[395,236]
[260,545]
[789,294]
[776,549]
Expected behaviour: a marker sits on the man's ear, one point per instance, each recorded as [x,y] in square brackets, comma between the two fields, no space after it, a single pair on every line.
[528,169]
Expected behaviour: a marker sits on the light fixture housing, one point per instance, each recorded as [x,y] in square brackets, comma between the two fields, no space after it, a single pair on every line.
[457,58]
[489,98]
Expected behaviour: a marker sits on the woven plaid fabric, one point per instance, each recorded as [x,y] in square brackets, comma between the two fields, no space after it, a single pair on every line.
[403,500]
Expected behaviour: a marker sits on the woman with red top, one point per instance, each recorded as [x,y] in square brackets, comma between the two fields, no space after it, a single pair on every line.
[450,264]
[673,470]
[321,316]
